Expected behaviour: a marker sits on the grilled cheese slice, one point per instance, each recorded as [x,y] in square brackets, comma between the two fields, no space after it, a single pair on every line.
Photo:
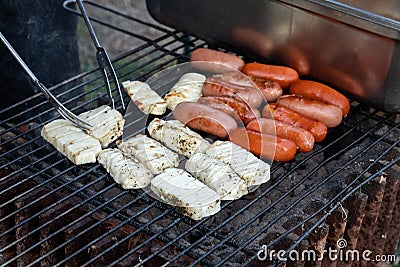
[152,154]
[71,141]
[126,171]
[146,99]
[188,88]
[107,124]
[177,137]
[192,197]
[250,168]
[217,175]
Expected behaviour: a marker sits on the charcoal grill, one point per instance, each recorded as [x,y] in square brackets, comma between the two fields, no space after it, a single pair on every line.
[53,213]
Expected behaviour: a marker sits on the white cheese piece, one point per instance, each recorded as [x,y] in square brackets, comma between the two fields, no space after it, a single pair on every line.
[177,137]
[217,175]
[152,154]
[250,168]
[58,129]
[71,141]
[107,124]
[146,99]
[125,170]
[192,197]
[188,88]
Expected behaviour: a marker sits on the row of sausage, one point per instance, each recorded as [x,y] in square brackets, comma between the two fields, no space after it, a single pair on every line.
[247,104]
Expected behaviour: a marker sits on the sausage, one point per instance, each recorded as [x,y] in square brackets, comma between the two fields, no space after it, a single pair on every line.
[264,145]
[330,115]
[282,75]
[204,118]
[223,62]
[236,77]
[231,106]
[321,92]
[302,138]
[285,114]
[216,86]
[270,89]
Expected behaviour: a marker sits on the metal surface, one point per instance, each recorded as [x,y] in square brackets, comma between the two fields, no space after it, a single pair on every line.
[352,49]
[64,112]
[54,213]
[103,60]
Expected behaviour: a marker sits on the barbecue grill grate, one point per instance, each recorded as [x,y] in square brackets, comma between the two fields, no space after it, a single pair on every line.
[53,213]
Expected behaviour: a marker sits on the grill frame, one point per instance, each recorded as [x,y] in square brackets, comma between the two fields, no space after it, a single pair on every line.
[40,168]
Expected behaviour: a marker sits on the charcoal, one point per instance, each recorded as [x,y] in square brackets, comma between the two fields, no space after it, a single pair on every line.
[374,190]
[337,222]
[355,204]
[52,225]
[393,233]
[386,211]
[24,229]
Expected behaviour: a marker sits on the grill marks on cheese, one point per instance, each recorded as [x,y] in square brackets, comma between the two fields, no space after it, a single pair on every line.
[217,175]
[250,168]
[126,171]
[107,124]
[177,137]
[192,197]
[188,88]
[146,99]
[150,153]
[71,141]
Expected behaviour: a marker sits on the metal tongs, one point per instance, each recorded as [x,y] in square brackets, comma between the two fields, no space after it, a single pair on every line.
[64,112]
[102,58]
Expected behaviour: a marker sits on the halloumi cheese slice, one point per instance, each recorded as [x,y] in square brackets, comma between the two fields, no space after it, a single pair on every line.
[191,197]
[217,175]
[152,154]
[107,124]
[71,141]
[250,168]
[146,99]
[126,171]
[176,136]
[188,88]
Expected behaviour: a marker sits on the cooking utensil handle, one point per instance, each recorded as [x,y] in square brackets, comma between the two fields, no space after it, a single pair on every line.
[88,23]
[27,70]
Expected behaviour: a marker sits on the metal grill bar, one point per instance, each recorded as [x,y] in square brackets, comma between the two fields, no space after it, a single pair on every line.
[328,203]
[234,233]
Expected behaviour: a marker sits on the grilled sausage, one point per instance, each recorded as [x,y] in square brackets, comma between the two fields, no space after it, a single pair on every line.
[264,145]
[204,118]
[330,115]
[216,86]
[302,138]
[223,61]
[270,89]
[236,77]
[285,114]
[321,92]
[237,109]
[282,75]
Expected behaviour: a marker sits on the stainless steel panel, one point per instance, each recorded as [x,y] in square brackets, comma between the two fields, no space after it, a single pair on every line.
[321,39]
